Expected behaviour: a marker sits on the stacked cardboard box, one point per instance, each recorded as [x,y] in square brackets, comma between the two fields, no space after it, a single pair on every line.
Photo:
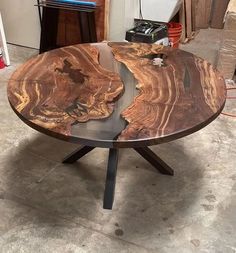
[226,62]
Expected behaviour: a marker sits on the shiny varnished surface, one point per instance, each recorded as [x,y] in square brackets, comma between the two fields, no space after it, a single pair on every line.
[82,94]
[57,89]
[179,95]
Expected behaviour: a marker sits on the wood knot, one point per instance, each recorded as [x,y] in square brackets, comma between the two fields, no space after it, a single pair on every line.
[157,59]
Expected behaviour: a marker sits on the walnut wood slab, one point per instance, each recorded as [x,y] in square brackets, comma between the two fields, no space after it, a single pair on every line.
[117,94]
[60,88]
[175,98]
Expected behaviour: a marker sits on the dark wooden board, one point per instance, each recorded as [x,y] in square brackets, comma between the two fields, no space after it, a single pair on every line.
[203,13]
[67,93]
[188,20]
[182,20]
[68,25]
[68,28]
[219,8]
[64,86]
[186,85]
[188,12]
[193,11]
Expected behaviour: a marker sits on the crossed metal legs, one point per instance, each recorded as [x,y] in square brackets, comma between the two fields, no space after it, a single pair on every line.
[109,193]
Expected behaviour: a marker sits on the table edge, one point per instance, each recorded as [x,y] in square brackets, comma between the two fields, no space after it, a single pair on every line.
[115,143]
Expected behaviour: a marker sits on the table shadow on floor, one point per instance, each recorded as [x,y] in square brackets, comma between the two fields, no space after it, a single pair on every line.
[145,200]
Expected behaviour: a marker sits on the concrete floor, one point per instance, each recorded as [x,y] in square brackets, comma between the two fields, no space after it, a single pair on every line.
[46,206]
[206,44]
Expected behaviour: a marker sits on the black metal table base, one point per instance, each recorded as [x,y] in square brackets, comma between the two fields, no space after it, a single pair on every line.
[109,193]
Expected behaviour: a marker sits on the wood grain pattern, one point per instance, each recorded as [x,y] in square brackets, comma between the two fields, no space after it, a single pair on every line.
[106,19]
[59,88]
[68,26]
[194,15]
[101,17]
[182,20]
[68,31]
[219,8]
[181,94]
[188,8]
[76,94]
[203,13]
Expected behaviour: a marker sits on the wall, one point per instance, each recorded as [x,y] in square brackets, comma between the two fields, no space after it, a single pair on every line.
[122,14]
[160,10]
[22,26]
[21,22]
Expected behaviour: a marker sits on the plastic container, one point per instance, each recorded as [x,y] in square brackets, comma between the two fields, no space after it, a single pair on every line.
[174,34]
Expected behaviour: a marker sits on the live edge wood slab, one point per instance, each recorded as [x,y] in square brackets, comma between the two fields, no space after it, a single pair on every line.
[117,94]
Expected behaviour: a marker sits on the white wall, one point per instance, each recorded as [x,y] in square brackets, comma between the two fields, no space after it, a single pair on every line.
[122,14]
[160,10]
[22,26]
[21,22]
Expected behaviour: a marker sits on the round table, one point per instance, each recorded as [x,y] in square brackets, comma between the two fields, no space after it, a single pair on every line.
[117,95]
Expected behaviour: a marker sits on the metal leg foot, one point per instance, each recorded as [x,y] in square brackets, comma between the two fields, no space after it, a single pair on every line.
[77,154]
[156,161]
[111,179]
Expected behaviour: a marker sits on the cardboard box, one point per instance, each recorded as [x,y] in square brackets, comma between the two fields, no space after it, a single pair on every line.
[226,62]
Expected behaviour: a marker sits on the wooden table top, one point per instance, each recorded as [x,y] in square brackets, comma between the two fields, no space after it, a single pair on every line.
[117,94]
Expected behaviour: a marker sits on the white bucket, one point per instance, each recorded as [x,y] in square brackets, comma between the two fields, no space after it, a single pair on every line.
[160,10]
